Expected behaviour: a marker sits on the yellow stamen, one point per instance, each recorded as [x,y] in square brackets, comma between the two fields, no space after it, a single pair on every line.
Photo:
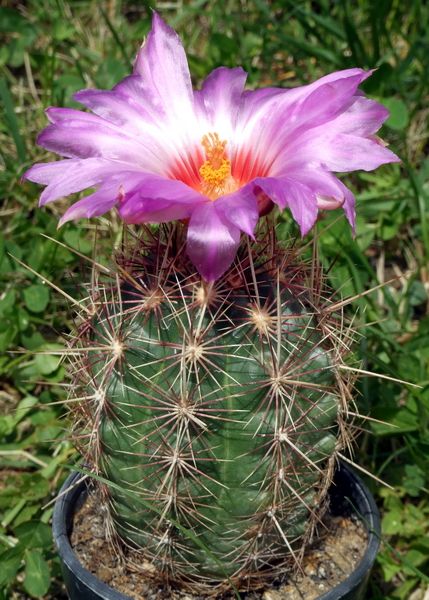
[216,170]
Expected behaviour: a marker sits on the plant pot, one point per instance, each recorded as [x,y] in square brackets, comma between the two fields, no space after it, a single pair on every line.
[348,495]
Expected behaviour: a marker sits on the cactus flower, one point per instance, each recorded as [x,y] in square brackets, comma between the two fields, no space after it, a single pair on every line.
[217,157]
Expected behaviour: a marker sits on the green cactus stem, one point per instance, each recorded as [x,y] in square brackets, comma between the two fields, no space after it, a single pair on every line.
[216,409]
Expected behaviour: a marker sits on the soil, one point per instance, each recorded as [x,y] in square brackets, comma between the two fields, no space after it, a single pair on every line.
[327,562]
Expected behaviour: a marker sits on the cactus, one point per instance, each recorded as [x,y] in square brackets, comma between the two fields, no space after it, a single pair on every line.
[215,409]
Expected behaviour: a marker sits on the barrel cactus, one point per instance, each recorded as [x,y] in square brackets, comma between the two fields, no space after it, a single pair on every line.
[213,408]
[211,399]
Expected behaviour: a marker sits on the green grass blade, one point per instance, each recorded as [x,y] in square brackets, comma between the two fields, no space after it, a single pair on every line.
[116,37]
[309,49]
[11,120]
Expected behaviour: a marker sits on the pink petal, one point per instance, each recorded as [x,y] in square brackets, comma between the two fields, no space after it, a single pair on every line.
[325,102]
[212,241]
[335,76]
[140,93]
[270,107]
[298,197]
[349,205]
[112,106]
[330,192]
[162,65]
[324,148]
[220,97]
[135,115]
[364,117]
[159,200]
[44,173]
[77,175]
[344,153]
[240,209]
[91,206]
[57,114]
[275,122]
[81,138]
[329,202]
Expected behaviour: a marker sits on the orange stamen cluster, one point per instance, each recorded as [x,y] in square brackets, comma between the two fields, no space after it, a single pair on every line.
[216,170]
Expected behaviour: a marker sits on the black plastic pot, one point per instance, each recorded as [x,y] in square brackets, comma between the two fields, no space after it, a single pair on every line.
[348,495]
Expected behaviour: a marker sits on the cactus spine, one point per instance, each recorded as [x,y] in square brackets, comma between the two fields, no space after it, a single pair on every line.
[217,410]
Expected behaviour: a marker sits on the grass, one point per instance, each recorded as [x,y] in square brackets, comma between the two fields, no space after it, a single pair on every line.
[54,48]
